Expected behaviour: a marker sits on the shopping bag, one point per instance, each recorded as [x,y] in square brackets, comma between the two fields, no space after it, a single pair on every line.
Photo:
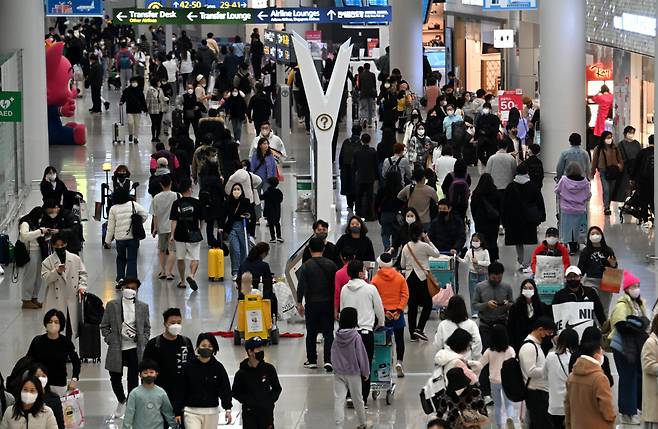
[285,301]
[611,280]
[73,405]
[441,299]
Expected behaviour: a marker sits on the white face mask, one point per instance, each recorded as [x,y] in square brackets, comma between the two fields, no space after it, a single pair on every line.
[28,397]
[236,194]
[634,292]
[265,133]
[51,177]
[387,85]
[595,238]
[129,293]
[608,141]
[528,293]
[190,91]
[235,93]
[134,84]
[410,220]
[52,328]
[476,244]
[552,241]
[175,329]
[52,215]
[420,132]
[44,381]
[486,111]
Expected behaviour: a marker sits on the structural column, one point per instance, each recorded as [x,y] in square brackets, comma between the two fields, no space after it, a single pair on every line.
[17,23]
[406,41]
[562,71]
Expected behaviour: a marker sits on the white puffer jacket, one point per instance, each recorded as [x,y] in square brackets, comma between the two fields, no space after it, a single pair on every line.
[118,222]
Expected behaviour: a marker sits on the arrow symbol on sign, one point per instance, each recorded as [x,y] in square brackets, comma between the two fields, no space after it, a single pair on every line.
[262,15]
[243,4]
[191,16]
[331,14]
[175,4]
[121,16]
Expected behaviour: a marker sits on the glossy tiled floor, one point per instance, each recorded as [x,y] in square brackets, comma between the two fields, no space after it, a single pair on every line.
[307,399]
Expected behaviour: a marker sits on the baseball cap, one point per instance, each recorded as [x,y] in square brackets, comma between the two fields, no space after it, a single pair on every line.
[254,342]
[552,232]
[199,77]
[573,269]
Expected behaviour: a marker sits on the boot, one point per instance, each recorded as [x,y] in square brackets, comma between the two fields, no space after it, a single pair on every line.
[36,301]
[30,305]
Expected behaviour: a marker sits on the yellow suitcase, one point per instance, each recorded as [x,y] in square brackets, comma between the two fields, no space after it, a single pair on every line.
[215,264]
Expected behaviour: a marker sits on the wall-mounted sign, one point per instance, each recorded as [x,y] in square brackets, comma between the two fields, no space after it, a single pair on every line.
[598,71]
[11,106]
[74,7]
[510,4]
[277,46]
[636,24]
[504,39]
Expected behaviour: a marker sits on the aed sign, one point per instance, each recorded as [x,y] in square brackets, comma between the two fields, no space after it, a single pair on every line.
[11,106]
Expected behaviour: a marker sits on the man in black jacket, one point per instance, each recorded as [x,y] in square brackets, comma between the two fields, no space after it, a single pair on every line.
[367,95]
[257,52]
[260,107]
[63,221]
[448,234]
[320,229]
[256,386]
[574,291]
[95,82]
[487,126]
[316,289]
[367,172]
[346,163]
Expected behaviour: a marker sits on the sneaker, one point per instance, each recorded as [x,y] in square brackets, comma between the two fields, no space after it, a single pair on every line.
[234,277]
[328,367]
[162,275]
[119,411]
[130,138]
[630,420]
[349,403]
[510,424]
[474,316]
[607,212]
[280,240]
[414,337]
[399,370]
[527,270]
[273,241]
[421,335]
[488,400]
[192,283]
[309,365]
[36,301]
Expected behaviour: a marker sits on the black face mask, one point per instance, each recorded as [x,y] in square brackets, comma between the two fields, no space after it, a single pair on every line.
[260,355]
[573,284]
[205,353]
[148,379]
[322,236]
[443,216]
[61,252]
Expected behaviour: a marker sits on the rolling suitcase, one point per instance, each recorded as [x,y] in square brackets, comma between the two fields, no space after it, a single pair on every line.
[91,314]
[119,129]
[215,264]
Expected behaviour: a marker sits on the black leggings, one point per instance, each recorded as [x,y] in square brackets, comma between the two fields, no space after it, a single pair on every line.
[399,342]
[156,125]
[419,296]
[129,359]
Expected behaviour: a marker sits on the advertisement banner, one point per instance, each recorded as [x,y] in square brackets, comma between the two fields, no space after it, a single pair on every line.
[74,7]
[575,315]
[507,100]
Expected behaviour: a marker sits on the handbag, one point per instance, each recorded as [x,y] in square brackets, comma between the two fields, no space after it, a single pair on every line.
[21,254]
[442,298]
[73,406]
[432,283]
[611,280]
[136,225]
[98,209]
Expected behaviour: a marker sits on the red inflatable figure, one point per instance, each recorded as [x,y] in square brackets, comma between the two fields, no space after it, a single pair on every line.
[62,92]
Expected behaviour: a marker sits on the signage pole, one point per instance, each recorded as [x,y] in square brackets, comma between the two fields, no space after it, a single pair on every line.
[323,109]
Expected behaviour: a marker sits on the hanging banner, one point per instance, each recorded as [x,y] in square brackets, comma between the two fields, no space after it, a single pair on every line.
[507,100]
[74,7]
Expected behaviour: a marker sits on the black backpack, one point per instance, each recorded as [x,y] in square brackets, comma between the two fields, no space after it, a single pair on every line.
[92,309]
[137,225]
[511,375]
[459,192]
[458,132]
[647,167]
[6,250]
[20,370]
[393,177]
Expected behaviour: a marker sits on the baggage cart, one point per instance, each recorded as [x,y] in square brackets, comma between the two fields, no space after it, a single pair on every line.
[381,377]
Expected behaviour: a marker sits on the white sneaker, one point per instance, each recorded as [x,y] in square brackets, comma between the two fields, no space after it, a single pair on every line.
[630,420]
[399,370]
[120,411]
[527,270]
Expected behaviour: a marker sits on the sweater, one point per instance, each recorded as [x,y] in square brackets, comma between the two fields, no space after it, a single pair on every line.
[392,288]
[363,250]
[485,292]
[202,385]
[532,361]
[29,236]
[146,408]
[348,354]
[476,256]
[316,281]
[365,298]
[556,371]
[447,327]
[43,420]
[53,354]
[502,168]
[495,361]
[588,402]
[119,222]
[257,389]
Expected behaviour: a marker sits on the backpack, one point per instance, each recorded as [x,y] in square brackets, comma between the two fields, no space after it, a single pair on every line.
[17,374]
[124,61]
[458,132]
[512,377]
[393,177]
[6,250]
[244,85]
[458,192]
[646,171]
[92,309]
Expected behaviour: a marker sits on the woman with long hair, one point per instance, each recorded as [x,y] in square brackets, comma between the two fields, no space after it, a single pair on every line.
[595,257]
[32,236]
[485,208]
[608,161]
[456,317]
[29,409]
[50,398]
[356,237]
[52,188]
[238,211]
[556,371]
[524,312]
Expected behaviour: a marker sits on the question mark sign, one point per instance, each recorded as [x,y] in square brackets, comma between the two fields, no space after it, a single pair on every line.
[324,122]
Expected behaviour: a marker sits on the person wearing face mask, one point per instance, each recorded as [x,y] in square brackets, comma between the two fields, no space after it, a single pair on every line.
[148,405]
[53,350]
[477,260]
[276,144]
[452,118]
[124,59]
[157,105]
[133,97]
[29,409]
[170,351]
[551,246]
[527,309]
[126,330]
[487,127]
[65,277]
[588,402]
[629,148]
[416,145]
[356,237]
[348,149]
[203,385]
[212,198]
[574,291]
[410,127]
[256,386]
[574,192]
[236,111]
[259,111]
[629,321]
[31,234]
[192,108]
[321,230]
[594,258]
[609,162]
[447,231]
[239,211]
[50,398]
[52,188]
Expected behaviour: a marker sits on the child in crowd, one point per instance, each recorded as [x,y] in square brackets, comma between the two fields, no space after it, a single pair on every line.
[350,362]
[273,198]
[477,259]
[148,404]
[498,352]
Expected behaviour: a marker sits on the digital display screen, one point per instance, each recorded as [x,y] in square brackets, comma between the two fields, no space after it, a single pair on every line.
[437,60]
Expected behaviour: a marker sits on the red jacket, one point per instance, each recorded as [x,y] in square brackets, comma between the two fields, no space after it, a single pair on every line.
[542,249]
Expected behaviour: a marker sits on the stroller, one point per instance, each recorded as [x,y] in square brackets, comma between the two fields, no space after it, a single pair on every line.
[633,207]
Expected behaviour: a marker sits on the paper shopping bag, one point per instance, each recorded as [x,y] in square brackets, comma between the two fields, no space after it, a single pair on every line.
[611,280]
[73,406]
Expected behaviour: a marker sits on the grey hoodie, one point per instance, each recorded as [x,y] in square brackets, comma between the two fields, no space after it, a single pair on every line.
[348,354]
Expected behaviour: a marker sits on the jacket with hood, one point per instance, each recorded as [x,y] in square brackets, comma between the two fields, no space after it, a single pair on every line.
[276,145]
[574,194]
[257,389]
[392,288]
[588,392]
[249,181]
[447,360]
[348,354]
[365,298]
[447,327]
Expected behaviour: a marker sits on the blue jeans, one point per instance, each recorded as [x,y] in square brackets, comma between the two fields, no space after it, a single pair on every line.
[473,280]
[238,246]
[387,221]
[236,123]
[502,403]
[607,186]
[630,384]
[127,258]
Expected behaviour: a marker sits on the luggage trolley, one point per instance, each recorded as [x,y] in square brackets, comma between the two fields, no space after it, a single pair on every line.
[381,378]
[444,269]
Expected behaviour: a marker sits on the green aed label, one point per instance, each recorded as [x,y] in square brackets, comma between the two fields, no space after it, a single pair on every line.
[11,106]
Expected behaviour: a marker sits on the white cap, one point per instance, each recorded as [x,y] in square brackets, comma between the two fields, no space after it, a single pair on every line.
[199,77]
[573,270]
[163,162]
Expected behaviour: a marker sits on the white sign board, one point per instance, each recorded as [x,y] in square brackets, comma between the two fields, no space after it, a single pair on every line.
[575,315]
[504,39]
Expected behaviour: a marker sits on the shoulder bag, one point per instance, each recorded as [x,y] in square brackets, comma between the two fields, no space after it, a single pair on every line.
[612,172]
[432,282]
[136,225]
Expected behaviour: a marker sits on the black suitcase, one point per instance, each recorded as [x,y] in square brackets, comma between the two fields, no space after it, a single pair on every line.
[90,343]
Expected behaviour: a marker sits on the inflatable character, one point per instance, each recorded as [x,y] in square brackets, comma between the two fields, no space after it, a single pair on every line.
[61,98]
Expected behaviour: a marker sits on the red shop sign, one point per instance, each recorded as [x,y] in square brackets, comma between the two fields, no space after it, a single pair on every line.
[598,71]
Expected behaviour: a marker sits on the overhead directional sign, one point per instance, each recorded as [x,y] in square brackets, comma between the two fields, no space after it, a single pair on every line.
[348,15]
[510,4]
[195,4]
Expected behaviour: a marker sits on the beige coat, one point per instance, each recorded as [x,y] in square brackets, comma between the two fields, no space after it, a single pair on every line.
[43,420]
[588,403]
[62,290]
[650,380]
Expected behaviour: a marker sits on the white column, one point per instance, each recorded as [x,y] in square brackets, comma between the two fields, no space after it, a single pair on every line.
[512,60]
[406,37]
[169,29]
[562,26]
[17,22]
